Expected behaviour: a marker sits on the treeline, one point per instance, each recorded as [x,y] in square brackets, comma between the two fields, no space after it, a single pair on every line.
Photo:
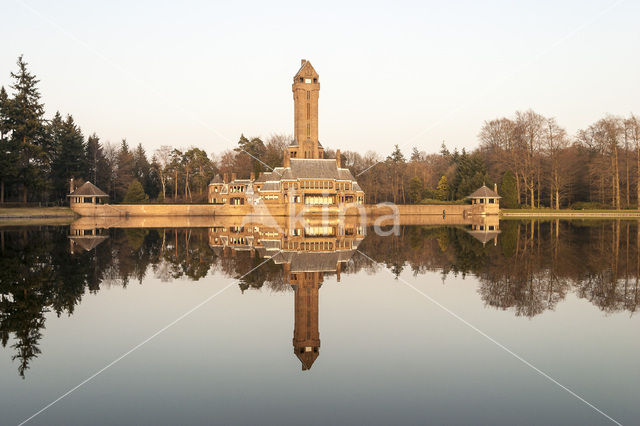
[531,157]
[600,164]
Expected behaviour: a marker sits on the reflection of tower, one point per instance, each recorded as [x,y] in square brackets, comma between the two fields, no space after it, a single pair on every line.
[306,334]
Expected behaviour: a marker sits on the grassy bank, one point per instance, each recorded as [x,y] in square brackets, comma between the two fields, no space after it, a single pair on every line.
[568,213]
[36,213]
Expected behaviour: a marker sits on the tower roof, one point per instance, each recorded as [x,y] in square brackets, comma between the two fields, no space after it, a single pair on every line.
[307,358]
[306,70]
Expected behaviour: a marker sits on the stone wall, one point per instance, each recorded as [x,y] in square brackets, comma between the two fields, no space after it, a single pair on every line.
[370,210]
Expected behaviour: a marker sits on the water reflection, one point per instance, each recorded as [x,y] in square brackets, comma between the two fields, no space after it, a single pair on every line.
[527,267]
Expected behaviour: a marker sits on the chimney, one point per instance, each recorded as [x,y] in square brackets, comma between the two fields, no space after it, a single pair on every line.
[285,160]
[338,158]
[71,187]
[252,176]
[495,188]
[225,178]
[233,176]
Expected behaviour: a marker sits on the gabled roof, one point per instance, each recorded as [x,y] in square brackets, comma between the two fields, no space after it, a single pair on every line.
[306,70]
[484,192]
[307,358]
[89,190]
[217,179]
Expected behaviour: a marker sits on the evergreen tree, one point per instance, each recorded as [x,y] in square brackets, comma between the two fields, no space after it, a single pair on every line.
[135,193]
[98,168]
[442,191]
[415,154]
[25,119]
[508,191]
[470,175]
[69,158]
[8,149]
[142,170]
[415,190]
[125,170]
[255,150]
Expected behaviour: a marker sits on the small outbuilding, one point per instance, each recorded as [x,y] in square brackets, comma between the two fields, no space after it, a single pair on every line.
[88,193]
[486,200]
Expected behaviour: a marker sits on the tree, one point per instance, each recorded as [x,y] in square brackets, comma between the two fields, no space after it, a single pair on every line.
[162,158]
[69,158]
[509,191]
[470,174]
[442,191]
[415,190]
[554,142]
[135,193]
[98,167]
[249,154]
[396,162]
[25,120]
[125,170]
[8,148]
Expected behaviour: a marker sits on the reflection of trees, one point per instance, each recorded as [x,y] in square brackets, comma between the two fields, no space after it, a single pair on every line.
[37,275]
[534,266]
[536,263]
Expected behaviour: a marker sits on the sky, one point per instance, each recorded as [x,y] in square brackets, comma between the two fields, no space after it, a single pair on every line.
[196,73]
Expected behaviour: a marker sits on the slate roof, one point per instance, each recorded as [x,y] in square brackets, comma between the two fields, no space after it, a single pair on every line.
[217,179]
[271,187]
[88,242]
[89,190]
[484,192]
[313,261]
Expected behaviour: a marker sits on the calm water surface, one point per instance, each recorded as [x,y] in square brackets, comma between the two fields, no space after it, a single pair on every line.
[330,326]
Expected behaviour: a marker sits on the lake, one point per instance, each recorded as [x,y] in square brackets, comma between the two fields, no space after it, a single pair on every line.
[519,322]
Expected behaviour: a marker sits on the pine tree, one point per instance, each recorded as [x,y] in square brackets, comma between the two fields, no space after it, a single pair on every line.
[25,119]
[508,191]
[125,170]
[98,168]
[415,189]
[135,193]
[142,169]
[69,159]
[8,149]
[415,154]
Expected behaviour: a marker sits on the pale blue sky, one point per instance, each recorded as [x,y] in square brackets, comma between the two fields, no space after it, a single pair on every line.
[412,73]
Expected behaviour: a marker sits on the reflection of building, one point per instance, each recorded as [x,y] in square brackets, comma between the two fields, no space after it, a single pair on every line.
[86,236]
[306,177]
[307,252]
[486,230]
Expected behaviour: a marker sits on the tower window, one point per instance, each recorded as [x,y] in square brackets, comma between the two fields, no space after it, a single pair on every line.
[308,111]
[308,95]
[301,79]
[315,80]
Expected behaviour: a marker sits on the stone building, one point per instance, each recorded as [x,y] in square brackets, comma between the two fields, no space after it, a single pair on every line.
[306,177]
[485,201]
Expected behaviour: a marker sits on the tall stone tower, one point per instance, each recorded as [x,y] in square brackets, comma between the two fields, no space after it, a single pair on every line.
[306,90]
[306,333]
